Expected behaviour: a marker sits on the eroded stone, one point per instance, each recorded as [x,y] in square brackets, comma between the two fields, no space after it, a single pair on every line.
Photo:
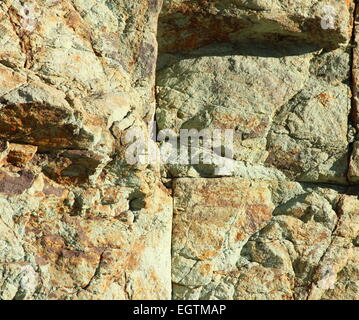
[191,24]
[241,239]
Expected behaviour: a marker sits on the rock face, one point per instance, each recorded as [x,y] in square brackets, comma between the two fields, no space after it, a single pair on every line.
[191,24]
[284,225]
[245,239]
[75,221]
[287,112]
[83,217]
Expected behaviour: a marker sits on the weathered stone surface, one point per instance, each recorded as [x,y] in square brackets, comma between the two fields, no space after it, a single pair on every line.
[76,72]
[292,109]
[243,239]
[82,217]
[84,243]
[353,174]
[191,24]
[289,108]
[76,222]
[4,151]
[20,155]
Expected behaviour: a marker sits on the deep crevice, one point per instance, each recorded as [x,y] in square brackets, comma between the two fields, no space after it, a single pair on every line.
[353,115]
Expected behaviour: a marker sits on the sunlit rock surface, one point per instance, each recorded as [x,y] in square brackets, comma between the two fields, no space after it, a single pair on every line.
[78,220]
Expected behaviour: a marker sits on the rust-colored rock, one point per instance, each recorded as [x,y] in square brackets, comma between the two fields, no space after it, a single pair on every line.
[79,220]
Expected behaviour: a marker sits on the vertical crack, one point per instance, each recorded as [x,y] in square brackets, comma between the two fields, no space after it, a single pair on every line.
[339,212]
[353,115]
[97,270]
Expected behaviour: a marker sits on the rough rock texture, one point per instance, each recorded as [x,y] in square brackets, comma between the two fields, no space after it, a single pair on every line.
[79,221]
[289,108]
[188,24]
[285,225]
[75,221]
[245,239]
